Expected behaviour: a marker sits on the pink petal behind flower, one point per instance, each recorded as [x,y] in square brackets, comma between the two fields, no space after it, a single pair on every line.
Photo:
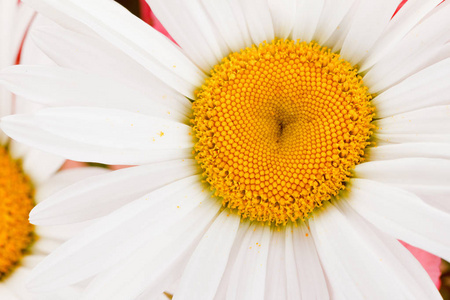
[70,164]
[430,263]
[149,17]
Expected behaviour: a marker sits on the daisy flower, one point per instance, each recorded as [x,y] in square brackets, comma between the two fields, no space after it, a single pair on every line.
[26,177]
[281,147]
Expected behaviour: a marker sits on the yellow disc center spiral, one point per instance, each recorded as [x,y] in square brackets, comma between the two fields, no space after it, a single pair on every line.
[279,127]
[16,201]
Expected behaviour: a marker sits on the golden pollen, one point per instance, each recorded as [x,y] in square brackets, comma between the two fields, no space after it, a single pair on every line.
[279,127]
[16,201]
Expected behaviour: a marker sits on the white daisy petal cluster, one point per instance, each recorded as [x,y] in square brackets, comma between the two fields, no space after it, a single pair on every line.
[27,176]
[191,218]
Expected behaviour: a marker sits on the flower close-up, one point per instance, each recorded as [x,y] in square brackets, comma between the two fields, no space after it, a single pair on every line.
[278,149]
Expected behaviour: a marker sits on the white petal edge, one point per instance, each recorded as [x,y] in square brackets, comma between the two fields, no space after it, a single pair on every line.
[406,18]
[56,86]
[93,55]
[98,196]
[240,236]
[259,20]
[5,109]
[306,268]
[433,120]
[249,271]
[402,215]
[65,178]
[425,45]
[131,35]
[367,25]
[40,166]
[276,278]
[408,171]
[206,266]
[333,12]
[230,22]
[408,150]
[283,16]
[429,87]
[347,251]
[155,265]
[101,135]
[124,230]
[191,27]
[306,19]
[403,265]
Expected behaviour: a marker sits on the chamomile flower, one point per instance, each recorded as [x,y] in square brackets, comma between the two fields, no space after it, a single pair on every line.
[282,147]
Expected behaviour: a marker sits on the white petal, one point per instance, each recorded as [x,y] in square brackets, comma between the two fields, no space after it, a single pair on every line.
[189,24]
[409,171]
[5,102]
[402,264]
[423,46]
[30,261]
[230,22]
[114,237]
[45,246]
[17,282]
[25,106]
[8,11]
[15,20]
[293,284]
[435,119]
[101,135]
[240,236]
[404,20]
[93,55]
[307,18]
[429,87]
[64,178]
[367,25]
[356,262]
[98,196]
[248,275]
[131,35]
[276,279]
[259,21]
[5,109]
[55,86]
[436,196]
[209,259]
[427,178]
[413,138]
[6,293]
[333,13]
[396,151]
[18,150]
[54,14]
[336,40]
[306,279]
[402,215]
[157,263]
[30,52]
[283,16]
[39,166]
[60,233]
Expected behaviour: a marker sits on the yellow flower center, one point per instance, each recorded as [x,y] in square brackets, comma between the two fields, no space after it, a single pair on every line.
[279,127]
[16,201]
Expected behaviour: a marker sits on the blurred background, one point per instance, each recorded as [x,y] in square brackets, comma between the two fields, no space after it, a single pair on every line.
[131,5]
